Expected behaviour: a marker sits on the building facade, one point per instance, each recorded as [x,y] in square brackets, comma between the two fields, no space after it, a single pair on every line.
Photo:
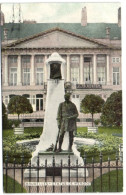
[92,53]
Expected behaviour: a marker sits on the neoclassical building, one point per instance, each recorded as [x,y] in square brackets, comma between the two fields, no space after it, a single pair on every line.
[92,52]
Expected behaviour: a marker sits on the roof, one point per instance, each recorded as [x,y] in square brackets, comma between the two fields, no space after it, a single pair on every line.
[22,40]
[92,30]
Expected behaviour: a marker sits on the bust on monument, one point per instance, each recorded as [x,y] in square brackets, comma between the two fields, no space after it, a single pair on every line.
[66,119]
[55,71]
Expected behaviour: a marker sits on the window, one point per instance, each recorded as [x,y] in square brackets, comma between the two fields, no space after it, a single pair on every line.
[88,75]
[12,59]
[87,59]
[74,59]
[75,75]
[25,59]
[101,75]
[116,76]
[39,76]
[101,59]
[39,59]
[115,60]
[26,76]
[13,76]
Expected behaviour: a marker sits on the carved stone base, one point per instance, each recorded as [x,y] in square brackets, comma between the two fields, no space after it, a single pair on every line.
[57,164]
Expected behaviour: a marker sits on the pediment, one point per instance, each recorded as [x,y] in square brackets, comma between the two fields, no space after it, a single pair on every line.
[57,39]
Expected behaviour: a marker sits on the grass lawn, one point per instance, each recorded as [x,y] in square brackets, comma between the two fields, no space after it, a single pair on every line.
[101,130]
[10,185]
[105,183]
[29,130]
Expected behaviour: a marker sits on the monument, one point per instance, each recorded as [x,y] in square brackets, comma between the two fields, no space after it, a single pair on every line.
[59,125]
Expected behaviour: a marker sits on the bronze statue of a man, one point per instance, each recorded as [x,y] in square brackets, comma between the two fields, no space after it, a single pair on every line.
[66,118]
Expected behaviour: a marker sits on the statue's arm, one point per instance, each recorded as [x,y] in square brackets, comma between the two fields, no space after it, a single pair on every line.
[75,114]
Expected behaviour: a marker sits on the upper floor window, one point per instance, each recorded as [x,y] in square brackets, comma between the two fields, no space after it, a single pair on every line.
[26,59]
[101,75]
[115,60]
[26,76]
[88,75]
[75,75]
[39,59]
[12,59]
[13,76]
[87,59]
[39,76]
[101,59]
[116,76]
[74,59]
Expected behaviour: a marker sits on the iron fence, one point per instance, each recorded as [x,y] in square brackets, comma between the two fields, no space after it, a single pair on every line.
[54,181]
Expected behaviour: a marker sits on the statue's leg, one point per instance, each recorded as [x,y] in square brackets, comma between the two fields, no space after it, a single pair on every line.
[61,140]
[70,140]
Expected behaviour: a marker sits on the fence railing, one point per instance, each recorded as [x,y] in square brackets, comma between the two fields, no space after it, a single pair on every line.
[54,180]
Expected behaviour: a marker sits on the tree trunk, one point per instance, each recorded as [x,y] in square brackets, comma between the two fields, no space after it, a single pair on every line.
[18,117]
[92,119]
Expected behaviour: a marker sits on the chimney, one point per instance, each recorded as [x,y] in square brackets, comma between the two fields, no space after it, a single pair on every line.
[108,33]
[5,34]
[119,17]
[84,17]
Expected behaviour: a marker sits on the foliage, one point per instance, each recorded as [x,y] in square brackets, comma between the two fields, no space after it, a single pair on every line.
[112,110]
[92,104]
[13,122]
[14,150]
[108,144]
[4,116]
[10,185]
[19,104]
[105,186]
[96,122]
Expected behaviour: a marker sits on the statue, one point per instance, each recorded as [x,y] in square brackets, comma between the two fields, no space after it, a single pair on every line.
[55,71]
[66,119]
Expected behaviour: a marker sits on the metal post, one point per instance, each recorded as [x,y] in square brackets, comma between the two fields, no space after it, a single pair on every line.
[30,175]
[117,169]
[77,173]
[45,175]
[22,161]
[61,173]
[37,173]
[101,169]
[93,172]
[69,171]
[14,176]
[109,172]
[85,170]
[6,164]
[53,172]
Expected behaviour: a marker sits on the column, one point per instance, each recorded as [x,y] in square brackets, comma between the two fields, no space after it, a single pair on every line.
[68,68]
[108,80]
[45,69]
[81,69]
[6,71]
[95,69]
[32,70]
[19,81]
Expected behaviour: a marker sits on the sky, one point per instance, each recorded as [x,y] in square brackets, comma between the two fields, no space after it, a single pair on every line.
[62,12]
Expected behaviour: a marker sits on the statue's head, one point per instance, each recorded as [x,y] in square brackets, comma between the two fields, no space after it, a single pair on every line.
[67,96]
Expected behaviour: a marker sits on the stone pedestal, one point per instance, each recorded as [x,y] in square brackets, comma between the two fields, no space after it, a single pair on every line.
[19,130]
[57,164]
[92,129]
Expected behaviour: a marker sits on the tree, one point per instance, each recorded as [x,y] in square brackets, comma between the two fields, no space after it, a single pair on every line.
[112,110]
[19,105]
[92,104]
[4,116]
